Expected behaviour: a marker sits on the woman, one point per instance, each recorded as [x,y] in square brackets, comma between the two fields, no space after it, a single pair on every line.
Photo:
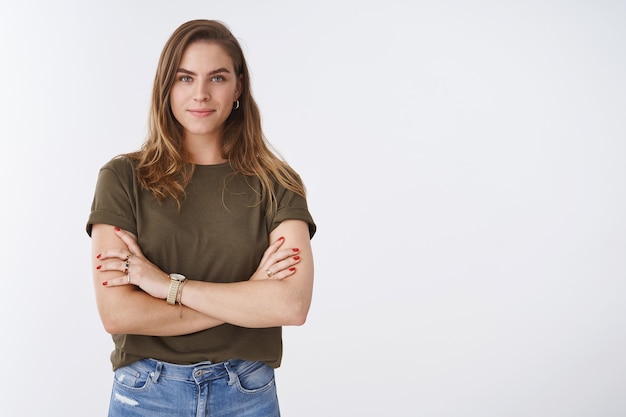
[201,243]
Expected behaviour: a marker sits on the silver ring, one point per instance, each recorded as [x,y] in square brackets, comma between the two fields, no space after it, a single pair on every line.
[269,273]
[128,256]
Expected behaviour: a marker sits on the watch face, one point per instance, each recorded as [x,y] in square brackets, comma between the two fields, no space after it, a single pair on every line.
[177,277]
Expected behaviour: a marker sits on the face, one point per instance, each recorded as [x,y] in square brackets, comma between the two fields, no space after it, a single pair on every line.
[204,91]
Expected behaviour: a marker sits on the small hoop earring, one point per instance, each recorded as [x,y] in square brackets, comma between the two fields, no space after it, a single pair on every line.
[236,106]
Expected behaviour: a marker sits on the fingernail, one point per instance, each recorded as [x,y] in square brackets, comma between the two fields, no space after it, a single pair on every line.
[281,238]
[296,258]
[117,229]
[296,250]
[292,269]
[99,266]
[99,255]
[105,283]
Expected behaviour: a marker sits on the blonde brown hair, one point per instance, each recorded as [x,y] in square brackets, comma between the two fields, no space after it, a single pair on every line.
[162,164]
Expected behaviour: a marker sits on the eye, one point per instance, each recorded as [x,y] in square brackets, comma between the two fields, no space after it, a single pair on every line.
[185,78]
[217,78]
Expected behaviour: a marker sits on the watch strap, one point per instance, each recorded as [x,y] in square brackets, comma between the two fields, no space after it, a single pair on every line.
[174,286]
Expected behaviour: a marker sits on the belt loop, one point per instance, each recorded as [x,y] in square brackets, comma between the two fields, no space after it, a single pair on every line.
[232,375]
[154,375]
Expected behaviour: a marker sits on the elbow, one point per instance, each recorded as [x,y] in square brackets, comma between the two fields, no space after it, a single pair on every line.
[113,323]
[298,315]
[111,327]
[296,306]
[116,314]
[299,321]
[297,309]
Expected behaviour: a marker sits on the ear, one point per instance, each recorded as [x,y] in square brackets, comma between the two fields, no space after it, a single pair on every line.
[239,87]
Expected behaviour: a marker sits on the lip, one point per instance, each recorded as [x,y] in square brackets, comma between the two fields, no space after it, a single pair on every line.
[201,112]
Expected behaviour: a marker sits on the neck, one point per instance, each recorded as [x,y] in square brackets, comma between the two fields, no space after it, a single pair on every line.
[204,152]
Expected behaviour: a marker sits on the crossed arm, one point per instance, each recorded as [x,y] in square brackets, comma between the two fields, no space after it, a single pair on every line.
[283,299]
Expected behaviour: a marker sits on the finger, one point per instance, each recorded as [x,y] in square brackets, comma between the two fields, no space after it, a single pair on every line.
[130,240]
[282,274]
[280,256]
[118,282]
[271,249]
[285,264]
[122,266]
[274,270]
[116,253]
[275,265]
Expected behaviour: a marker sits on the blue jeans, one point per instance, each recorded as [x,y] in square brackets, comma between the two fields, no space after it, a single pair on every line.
[227,389]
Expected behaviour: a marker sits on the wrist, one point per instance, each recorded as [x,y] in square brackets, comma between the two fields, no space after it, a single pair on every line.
[179,297]
[176,280]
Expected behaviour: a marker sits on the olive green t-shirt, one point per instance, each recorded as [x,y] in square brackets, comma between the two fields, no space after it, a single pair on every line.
[218,235]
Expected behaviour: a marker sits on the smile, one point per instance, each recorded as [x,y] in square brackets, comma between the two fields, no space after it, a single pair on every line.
[201,113]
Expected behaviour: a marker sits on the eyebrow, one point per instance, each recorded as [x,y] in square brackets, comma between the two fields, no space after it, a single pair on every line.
[217,71]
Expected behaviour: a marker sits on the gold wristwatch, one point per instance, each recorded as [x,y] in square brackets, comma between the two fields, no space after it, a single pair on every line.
[175,281]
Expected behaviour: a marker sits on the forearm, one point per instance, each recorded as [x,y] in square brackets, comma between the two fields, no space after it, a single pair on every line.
[132,311]
[126,309]
[261,303]
[253,304]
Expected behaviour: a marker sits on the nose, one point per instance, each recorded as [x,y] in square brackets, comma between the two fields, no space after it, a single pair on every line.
[202,92]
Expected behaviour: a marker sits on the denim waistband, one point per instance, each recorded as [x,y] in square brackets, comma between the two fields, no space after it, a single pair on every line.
[197,372]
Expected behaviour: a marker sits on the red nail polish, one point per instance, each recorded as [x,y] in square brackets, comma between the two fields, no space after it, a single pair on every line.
[296,250]
[99,255]
[281,238]
[105,283]
[117,229]
[296,258]
[292,269]
[99,266]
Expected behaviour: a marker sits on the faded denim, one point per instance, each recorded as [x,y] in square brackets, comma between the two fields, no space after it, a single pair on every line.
[227,389]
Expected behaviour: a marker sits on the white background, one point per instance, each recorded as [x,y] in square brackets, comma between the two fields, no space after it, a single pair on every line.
[466,166]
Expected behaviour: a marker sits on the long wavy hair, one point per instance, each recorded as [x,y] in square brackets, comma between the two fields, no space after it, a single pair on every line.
[163,166]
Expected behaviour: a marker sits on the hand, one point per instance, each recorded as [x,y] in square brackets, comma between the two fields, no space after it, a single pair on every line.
[277,263]
[137,269]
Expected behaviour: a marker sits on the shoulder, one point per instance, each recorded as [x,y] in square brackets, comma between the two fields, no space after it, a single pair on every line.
[117,172]
[121,165]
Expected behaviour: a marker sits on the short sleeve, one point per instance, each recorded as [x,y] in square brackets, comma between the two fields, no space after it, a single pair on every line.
[113,202]
[292,206]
